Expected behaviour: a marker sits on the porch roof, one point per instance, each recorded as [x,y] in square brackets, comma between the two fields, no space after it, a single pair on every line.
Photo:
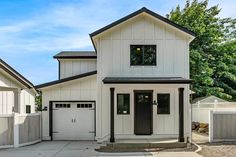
[146,80]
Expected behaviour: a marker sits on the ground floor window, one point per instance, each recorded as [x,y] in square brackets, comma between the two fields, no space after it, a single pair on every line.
[28,109]
[163,101]
[123,104]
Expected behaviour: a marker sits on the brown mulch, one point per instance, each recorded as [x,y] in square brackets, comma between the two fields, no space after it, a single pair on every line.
[191,148]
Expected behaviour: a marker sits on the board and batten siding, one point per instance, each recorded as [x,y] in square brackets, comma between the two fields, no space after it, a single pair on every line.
[72,67]
[113,49]
[164,125]
[27,96]
[76,90]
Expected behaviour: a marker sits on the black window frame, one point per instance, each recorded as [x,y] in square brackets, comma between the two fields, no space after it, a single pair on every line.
[128,112]
[143,55]
[158,107]
[27,109]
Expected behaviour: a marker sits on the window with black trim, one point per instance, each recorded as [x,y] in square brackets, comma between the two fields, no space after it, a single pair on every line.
[163,101]
[28,109]
[123,104]
[143,55]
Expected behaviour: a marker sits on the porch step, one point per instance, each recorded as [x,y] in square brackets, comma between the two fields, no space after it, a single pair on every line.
[146,145]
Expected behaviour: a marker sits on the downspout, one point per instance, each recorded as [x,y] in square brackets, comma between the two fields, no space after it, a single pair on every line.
[191,118]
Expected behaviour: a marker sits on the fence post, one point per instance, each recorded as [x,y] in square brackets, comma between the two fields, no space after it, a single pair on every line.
[211,125]
[16,129]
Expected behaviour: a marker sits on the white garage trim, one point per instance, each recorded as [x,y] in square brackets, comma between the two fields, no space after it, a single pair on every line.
[58,101]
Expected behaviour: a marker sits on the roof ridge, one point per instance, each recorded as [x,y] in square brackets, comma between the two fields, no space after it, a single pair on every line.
[29,84]
[143,9]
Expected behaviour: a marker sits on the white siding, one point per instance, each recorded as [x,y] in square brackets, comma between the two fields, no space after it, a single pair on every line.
[7,97]
[172,49]
[27,97]
[163,125]
[113,51]
[77,90]
[72,67]
[113,59]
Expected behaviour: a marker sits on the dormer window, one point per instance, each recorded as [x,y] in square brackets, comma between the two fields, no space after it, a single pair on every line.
[143,55]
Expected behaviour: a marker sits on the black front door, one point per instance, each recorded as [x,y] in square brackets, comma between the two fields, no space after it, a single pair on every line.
[143,112]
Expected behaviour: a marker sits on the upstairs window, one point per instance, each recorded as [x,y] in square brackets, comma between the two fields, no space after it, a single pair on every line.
[163,101]
[143,55]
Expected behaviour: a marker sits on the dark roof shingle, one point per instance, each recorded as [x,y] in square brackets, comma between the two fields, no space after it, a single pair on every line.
[7,68]
[66,79]
[76,54]
[139,12]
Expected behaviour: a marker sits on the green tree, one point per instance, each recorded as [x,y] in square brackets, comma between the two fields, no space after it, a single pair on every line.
[212,53]
[38,101]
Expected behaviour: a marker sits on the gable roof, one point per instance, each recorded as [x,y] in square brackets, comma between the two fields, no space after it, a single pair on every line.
[76,55]
[208,99]
[12,72]
[65,79]
[142,10]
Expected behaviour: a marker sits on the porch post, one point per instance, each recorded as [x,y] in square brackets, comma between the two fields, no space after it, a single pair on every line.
[181,115]
[112,137]
[17,106]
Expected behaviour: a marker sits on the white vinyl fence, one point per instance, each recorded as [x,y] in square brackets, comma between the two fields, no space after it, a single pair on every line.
[19,130]
[222,126]
[6,131]
[201,112]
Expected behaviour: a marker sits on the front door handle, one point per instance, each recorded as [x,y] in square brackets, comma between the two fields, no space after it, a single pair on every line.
[74,120]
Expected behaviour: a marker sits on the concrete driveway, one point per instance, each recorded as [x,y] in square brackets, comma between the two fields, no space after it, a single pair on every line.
[78,149]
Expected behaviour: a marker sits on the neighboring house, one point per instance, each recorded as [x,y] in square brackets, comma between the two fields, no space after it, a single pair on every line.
[135,85]
[17,94]
[208,100]
[202,106]
[19,124]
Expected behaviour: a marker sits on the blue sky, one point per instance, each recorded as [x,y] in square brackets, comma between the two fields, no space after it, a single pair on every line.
[32,31]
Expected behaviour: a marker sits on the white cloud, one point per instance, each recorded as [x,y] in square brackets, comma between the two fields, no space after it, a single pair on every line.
[59,27]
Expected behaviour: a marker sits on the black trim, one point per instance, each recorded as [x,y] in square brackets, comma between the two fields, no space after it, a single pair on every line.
[181,115]
[143,56]
[50,120]
[66,79]
[146,80]
[117,103]
[151,120]
[139,12]
[17,75]
[76,55]
[51,114]
[159,112]
[112,136]
[95,48]
[59,69]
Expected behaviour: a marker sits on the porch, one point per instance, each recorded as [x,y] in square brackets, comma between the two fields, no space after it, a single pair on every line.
[144,121]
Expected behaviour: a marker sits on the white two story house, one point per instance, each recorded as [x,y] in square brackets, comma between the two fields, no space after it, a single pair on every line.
[134,85]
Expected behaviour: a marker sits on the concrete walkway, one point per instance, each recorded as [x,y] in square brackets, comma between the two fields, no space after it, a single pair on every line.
[78,149]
